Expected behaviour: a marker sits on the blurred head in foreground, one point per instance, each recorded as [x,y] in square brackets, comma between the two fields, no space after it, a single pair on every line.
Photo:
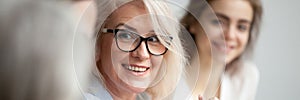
[37,60]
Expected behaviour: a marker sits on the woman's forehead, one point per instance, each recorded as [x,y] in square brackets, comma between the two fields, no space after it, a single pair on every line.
[125,13]
[132,8]
[141,23]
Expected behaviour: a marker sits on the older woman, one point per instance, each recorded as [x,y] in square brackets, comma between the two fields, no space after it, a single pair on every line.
[138,52]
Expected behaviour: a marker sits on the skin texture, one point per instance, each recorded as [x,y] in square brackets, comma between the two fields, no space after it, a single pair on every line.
[121,83]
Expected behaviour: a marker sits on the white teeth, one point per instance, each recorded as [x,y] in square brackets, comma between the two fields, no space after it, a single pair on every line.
[132,68]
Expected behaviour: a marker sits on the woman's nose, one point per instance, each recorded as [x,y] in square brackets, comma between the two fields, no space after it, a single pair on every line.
[141,52]
[230,33]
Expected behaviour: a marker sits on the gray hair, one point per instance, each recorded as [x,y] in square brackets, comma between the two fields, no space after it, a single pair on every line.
[164,23]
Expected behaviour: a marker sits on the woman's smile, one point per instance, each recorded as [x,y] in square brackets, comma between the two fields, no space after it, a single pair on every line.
[140,71]
[225,48]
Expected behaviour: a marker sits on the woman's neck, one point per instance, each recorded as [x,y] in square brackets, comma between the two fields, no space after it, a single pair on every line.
[210,71]
[204,67]
[117,92]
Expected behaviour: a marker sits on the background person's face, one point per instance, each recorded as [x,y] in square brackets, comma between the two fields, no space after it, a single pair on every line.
[235,18]
[131,71]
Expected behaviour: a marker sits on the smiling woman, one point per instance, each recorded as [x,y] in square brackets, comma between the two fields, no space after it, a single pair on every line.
[239,21]
[134,50]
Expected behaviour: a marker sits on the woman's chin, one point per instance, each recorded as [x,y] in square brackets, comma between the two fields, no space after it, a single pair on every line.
[137,90]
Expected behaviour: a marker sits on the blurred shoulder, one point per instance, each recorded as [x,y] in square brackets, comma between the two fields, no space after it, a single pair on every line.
[244,70]
[248,71]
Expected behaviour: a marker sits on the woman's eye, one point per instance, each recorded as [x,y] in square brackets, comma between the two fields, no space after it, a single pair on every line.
[125,36]
[153,39]
[216,22]
[242,28]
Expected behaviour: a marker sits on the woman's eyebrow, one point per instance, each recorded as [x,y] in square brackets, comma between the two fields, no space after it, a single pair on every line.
[244,21]
[126,26]
[130,27]
[219,15]
[152,31]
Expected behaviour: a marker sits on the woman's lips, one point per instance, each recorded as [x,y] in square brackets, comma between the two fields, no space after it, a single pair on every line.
[136,69]
[229,49]
[225,48]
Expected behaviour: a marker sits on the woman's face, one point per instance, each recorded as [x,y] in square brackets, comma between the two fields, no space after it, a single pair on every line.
[129,71]
[235,18]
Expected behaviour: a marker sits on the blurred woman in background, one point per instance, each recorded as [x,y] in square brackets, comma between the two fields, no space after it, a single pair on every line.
[239,21]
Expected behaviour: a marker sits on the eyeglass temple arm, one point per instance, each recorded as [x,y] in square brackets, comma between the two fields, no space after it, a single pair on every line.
[105,30]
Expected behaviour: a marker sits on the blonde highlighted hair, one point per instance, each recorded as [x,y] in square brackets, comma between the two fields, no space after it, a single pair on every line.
[165,25]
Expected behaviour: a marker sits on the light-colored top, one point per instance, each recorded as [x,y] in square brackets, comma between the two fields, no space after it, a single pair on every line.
[240,82]
[97,91]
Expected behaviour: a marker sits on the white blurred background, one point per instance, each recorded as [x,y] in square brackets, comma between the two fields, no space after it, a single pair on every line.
[278,51]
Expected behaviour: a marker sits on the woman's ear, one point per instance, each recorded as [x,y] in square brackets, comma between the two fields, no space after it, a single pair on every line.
[97,56]
[192,29]
[98,53]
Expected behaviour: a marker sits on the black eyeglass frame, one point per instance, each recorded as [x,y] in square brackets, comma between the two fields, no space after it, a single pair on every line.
[115,31]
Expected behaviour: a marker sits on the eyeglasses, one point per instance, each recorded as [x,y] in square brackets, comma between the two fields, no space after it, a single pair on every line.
[129,41]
